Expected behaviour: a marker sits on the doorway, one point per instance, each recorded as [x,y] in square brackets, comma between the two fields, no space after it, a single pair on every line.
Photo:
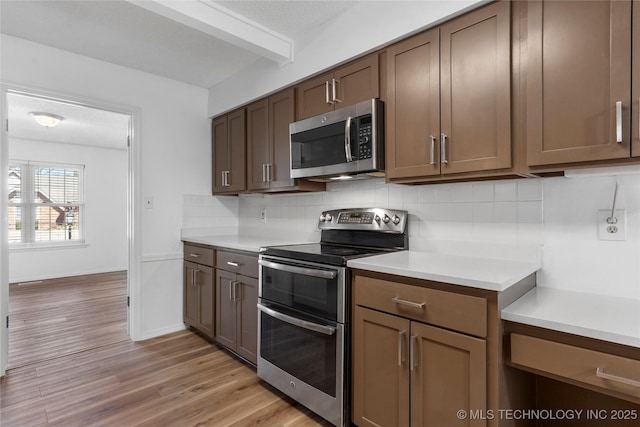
[65,233]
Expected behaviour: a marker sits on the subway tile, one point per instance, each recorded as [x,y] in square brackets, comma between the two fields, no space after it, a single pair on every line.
[482,191]
[530,189]
[506,191]
[530,212]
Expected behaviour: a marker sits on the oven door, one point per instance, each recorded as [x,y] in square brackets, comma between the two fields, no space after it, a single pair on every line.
[315,289]
[304,357]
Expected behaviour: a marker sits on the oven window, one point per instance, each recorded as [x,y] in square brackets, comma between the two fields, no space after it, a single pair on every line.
[322,146]
[307,355]
[308,294]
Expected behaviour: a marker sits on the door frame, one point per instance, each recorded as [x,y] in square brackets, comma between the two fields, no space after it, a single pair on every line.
[134,206]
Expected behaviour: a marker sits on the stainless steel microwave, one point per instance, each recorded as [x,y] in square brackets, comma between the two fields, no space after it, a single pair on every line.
[344,142]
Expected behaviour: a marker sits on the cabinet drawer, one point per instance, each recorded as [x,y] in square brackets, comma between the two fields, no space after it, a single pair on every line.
[462,313]
[615,373]
[198,255]
[246,265]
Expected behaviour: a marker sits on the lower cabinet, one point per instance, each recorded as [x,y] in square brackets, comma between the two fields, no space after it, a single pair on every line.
[236,303]
[409,373]
[198,289]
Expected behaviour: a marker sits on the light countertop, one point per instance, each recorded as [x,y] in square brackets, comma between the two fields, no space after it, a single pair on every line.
[483,273]
[602,317]
[241,243]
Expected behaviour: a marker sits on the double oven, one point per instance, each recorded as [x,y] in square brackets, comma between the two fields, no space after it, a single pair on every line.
[304,307]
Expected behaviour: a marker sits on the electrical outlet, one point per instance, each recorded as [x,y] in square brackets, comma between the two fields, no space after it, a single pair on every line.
[263,215]
[612,229]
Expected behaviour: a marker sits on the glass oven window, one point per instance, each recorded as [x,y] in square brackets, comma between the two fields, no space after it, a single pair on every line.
[308,294]
[307,355]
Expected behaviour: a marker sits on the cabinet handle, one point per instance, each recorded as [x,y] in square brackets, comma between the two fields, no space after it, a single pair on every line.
[195,277]
[401,335]
[233,264]
[419,305]
[347,140]
[639,118]
[443,149]
[334,86]
[601,374]
[269,172]
[264,172]
[194,255]
[236,289]
[228,178]
[432,150]
[326,93]
[619,122]
[225,179]
[412,350]
[231,288]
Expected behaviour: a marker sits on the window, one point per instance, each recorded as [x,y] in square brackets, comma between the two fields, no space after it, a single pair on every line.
[45,203]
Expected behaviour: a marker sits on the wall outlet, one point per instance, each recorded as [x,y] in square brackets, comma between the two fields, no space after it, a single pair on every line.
[263,215]
[612,229]
[148,202]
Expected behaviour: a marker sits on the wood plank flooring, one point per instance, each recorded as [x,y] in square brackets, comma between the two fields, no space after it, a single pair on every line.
[178,379]
[71,364]
[67,315]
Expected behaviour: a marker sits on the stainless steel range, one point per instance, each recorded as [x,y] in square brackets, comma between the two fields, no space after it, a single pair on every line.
[304,299]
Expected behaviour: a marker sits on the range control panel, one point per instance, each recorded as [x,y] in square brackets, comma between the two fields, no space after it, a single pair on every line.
[370,219]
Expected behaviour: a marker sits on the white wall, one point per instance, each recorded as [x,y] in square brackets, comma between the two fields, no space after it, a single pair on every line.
[362,28]
[175,159]
[104,215]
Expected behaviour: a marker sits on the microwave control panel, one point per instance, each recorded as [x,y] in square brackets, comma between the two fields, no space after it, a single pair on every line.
[364,138]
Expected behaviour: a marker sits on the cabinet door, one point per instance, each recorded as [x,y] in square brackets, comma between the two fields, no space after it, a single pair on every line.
[313,96]
[635,81]
[237,157]
[225,309]
[190,294]
[413,107]
[220,152]
[281,113]
[206,300]
[476,90]
[357,81]
[380,369]
[247,318]
[258,152]
[578,68]
[448,373]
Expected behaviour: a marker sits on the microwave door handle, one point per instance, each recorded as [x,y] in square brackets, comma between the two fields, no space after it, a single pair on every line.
[327,330]
[347,140]
[322,274]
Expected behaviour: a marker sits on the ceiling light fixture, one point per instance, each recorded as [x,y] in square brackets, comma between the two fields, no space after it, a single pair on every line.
[47,120]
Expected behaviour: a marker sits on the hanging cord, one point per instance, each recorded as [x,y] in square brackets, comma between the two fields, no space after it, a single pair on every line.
[612,218]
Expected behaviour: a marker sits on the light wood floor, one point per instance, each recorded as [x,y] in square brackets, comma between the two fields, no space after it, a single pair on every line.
[67,315]
[177,380]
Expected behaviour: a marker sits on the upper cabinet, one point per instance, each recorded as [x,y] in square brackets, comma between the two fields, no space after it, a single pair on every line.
[228,149]
[347,85]
[268,146]
[578,81]
[635,82]
[449,97]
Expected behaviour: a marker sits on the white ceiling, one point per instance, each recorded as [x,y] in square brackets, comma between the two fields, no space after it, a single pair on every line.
[184,40]
[81,125]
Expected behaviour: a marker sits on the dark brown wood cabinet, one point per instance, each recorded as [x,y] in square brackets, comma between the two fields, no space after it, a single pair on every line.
[578,81]
[228,150]
[409,372]
[449,97]
[198,289]
[347,85]
[236,301]
[268,145]
[635,82]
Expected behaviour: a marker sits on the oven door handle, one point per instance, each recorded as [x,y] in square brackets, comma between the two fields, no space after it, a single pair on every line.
[322,274]
[327,330]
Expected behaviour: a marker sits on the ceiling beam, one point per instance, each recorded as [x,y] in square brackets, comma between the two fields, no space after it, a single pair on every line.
[210,18]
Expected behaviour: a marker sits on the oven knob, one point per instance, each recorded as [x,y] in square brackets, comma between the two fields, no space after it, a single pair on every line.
[292,384]
[323,218]
[386,219]
[396,219]
[377,218]
[328,217]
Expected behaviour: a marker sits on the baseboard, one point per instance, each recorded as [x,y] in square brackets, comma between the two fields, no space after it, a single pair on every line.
[66,274]
[161,331]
